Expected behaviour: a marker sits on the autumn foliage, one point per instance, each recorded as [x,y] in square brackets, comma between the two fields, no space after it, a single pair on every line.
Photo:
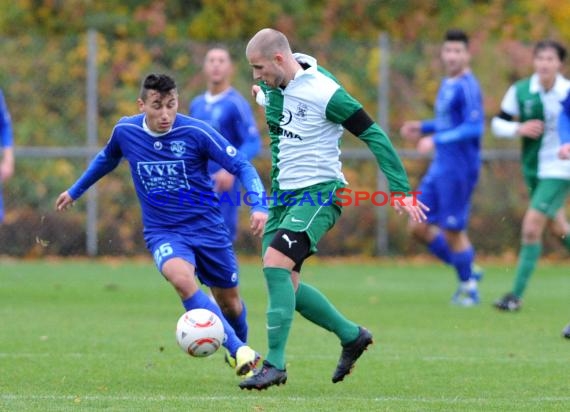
[43,73]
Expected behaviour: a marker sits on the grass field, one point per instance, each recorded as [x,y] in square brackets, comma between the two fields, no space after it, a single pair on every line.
[99,335]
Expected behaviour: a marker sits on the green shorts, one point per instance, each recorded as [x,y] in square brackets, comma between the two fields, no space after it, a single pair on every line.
[548,196]
[313,210]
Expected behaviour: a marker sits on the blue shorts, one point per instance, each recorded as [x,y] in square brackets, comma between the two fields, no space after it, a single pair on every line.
[449,200]
[208,249]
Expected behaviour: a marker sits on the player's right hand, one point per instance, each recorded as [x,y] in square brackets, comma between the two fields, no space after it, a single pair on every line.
[254,90]
[531,128]
[411,130]
[64,201]
[413,207]
[564,152]
[425,145]
[258,95]
[257,223]
[223,181]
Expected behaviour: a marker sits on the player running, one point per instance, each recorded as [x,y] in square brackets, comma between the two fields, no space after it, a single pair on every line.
[455,134]
[530,110]
[227,111]
[306,110]
[168,155]
[564,153]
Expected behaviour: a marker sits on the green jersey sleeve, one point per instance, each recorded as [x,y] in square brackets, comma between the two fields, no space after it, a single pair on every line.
[344,109]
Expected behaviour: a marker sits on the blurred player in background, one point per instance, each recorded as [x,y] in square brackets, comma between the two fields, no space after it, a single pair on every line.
[564,153]
[6,148]
[530,110]
[455,135]
[168,154]
[306,110]
[564,129]
[227,111]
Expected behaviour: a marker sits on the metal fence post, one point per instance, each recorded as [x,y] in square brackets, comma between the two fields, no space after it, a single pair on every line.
[383,112]
[92,112]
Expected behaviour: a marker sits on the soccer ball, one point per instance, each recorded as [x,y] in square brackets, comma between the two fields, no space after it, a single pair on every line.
[199,332]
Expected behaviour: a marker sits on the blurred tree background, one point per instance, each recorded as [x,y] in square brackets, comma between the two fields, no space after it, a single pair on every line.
[43,72]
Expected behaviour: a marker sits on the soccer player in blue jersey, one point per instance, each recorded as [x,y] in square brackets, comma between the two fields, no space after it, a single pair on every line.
[168,154]
[455,136]
[227,111]
[7,151]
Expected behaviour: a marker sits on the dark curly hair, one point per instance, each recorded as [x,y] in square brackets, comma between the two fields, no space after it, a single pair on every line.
[162,83]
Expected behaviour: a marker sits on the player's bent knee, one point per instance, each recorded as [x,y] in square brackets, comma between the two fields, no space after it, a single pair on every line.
[230,309]
[229,301]
[185,285]
[294,245]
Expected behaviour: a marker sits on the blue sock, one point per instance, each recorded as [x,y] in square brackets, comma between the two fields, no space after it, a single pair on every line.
[240,324]
[201,300]
[439,247]
[463,262]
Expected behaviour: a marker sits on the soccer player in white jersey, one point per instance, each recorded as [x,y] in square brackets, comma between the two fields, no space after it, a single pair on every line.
[168,154]
[530,111]
[306,110]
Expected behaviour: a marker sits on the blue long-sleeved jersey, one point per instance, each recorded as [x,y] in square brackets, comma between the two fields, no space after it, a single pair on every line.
[169,171]
[231,115]
[457,127]
[6,133]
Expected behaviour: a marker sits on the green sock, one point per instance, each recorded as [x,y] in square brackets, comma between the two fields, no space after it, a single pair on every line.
[528,256]
[315,307]
[280,310]
[566,241]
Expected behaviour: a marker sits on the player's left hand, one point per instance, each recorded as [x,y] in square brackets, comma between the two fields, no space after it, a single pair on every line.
[63,201]
[425,145]
[223,181]
[6,170]
[564,152]
[411,130]
[257,223]
[412,206]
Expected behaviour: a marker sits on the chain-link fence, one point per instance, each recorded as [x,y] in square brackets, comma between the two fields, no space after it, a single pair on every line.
[56,105]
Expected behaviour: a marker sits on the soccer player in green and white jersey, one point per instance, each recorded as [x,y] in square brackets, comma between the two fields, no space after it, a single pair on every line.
[530,110]
[306,110]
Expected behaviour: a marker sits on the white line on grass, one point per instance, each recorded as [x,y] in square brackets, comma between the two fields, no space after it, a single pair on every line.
[455,400]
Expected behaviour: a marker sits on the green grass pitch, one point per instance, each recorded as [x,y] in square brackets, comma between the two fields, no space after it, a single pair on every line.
[99,335]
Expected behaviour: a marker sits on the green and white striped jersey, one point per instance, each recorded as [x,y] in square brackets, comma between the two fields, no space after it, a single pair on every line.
[305,127]
[527,99]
